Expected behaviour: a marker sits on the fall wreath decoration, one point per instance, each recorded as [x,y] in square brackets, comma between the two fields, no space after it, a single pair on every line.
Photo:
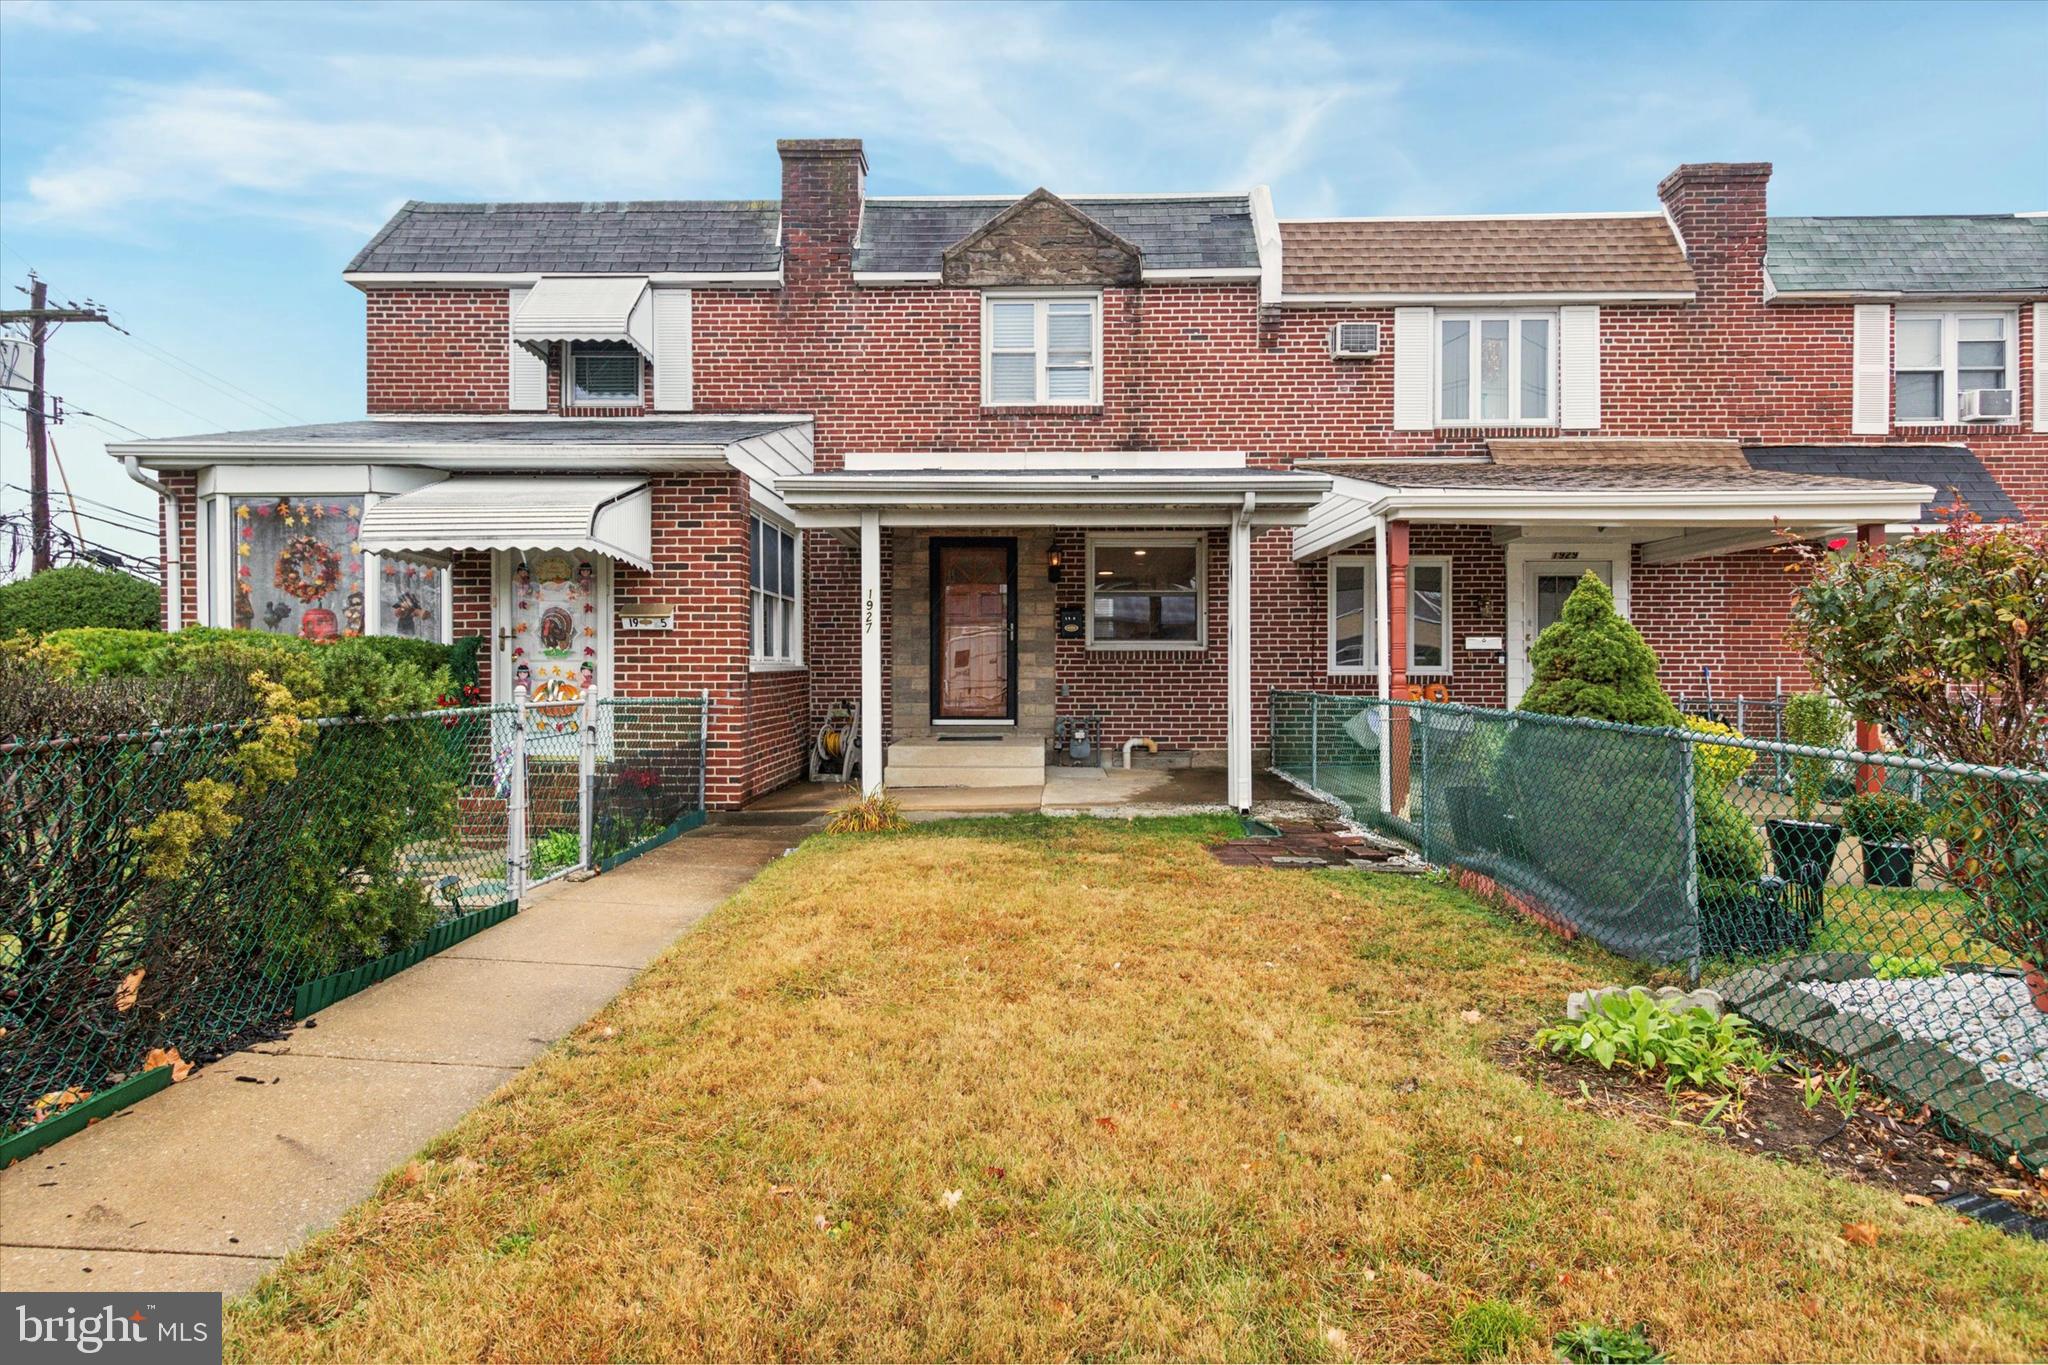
[306,569]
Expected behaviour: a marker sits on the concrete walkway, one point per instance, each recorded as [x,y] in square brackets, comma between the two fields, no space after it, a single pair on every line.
[208,1183]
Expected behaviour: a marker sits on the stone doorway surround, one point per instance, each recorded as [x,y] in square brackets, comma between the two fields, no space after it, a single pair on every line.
[910,658]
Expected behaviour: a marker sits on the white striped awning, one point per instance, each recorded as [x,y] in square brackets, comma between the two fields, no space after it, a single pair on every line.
[611,517]
[586,308]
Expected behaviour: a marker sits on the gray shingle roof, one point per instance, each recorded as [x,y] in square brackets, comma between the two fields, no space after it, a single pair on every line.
[1950,470]
[1994,253]
[701,235]
[589,431]
[910,235]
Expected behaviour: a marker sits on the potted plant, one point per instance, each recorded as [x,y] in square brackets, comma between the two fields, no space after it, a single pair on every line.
[1803,848]
[1886,824]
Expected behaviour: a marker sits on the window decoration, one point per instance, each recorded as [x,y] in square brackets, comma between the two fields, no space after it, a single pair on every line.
[299,570]
[1496,368]
[1354,616]
[776,595]
[1145,592]
[555,639]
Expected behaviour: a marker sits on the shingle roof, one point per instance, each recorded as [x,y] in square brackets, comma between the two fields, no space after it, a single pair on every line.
[1629,452]
[1442,473]
[908,236]
[704,235]
[1994,253]
[1632,254]
[1950,470]
[551,431]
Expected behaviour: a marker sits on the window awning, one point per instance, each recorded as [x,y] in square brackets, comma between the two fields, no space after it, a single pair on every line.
[610,517]
[586,308]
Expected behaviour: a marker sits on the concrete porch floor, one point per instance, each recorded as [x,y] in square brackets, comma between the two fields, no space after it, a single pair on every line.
[1066,791]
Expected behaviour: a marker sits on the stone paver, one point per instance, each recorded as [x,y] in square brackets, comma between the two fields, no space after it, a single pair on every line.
[207,1183]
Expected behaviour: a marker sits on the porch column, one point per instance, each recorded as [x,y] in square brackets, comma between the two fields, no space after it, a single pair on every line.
[1394,613]
[872,757]
[1239,670]
[1869,739]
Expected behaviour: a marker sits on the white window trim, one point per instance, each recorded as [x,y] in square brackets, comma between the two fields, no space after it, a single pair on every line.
[639,398]
[1951,335]
[1513,317]
[1370,668]
[1200,542]
[989,298]
[219,563]
[794,602]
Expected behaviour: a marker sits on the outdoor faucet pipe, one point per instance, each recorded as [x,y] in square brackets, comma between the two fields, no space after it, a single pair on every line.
[1151,747]
[174,615]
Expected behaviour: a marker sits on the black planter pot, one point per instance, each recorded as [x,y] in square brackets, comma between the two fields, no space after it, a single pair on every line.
[1887,864]
[1803,852]
[1754,921]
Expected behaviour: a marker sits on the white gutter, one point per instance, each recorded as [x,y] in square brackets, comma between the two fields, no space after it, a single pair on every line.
[174,586]
[430,455]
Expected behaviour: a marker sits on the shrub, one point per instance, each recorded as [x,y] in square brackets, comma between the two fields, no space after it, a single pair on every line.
[1490,1330]
[1812,718]
[1591,1344]
[1690,1047]
[1718,766]
[78,595]
[867,815]
[1884,817]
[1726,845]
[1591,663]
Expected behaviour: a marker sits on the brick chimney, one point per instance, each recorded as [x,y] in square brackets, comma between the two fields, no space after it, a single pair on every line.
[823,181]
[1721,211]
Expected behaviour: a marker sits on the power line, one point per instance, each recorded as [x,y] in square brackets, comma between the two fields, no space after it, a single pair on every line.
[146,393]
[95,502]
[210,379]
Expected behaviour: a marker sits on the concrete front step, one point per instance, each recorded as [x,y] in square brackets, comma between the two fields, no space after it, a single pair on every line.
[1011,761]
[900,777]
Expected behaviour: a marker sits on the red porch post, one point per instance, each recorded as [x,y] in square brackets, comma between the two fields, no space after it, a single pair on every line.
[1869,739]
[1397,751]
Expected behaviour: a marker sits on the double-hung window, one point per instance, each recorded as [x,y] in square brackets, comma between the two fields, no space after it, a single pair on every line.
[777,636]
[604,374]
[1145,592]
[1496,369]
[1354,613]
[1938,357]
[1039,350]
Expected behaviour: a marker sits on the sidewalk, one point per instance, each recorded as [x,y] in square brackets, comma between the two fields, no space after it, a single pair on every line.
[208,1183]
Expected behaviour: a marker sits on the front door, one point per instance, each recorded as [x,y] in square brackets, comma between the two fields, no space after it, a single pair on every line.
[974,630]
[1544,592]
[553,632]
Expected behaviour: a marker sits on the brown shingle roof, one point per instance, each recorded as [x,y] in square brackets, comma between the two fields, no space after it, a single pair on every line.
[1633,254]
[1619,452]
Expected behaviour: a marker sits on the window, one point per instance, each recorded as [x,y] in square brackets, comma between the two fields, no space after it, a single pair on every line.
[1354,616]
[1145,592]
[1938,357]
[604,373]
[299,571]
[778,628]
[1496,369]
[1040,350]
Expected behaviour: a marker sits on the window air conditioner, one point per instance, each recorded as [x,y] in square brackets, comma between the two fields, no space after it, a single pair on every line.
[1987,405]
[1355,340]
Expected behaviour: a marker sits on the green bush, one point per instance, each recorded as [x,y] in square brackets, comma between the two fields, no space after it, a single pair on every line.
[366,676]
[1884,817]
[1813,719]
[78,595]
[1716,765]
[1726,844]
[1688,1047]
[1591,663]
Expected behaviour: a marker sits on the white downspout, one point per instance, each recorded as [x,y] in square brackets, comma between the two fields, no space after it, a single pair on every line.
[174,584]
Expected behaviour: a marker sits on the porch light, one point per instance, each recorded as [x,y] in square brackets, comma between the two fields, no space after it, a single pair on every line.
[1052,565]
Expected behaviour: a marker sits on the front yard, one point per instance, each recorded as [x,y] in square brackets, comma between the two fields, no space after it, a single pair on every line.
[1051,1089]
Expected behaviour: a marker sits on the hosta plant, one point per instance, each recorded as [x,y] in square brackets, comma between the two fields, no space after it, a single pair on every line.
[1687,1048]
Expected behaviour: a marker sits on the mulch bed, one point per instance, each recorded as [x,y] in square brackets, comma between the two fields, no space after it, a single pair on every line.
[1300,844]
[1881,1143]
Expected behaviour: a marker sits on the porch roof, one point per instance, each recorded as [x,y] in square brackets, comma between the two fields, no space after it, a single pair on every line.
[610,517]
[1195,496]
[1733,505]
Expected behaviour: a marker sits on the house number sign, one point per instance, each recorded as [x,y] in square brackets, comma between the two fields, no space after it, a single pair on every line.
[645,616]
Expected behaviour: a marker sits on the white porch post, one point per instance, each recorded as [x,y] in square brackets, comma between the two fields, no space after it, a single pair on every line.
[1240,660]
[871,755]
[1383,655]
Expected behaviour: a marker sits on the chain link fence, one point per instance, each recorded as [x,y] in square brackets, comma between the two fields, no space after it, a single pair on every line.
[390,839]
[1882,909]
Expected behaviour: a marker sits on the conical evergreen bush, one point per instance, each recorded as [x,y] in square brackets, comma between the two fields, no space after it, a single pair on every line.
[1590,662]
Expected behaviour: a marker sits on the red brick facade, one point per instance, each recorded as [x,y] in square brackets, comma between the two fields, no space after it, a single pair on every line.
[1185,367]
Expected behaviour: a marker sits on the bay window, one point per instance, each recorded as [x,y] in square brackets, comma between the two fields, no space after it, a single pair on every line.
[1937,357]
[298,569]
[1496,369]
[1146,592]
[775,595]
[1353,614]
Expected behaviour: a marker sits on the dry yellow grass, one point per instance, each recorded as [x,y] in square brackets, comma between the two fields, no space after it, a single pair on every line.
[1189,1112]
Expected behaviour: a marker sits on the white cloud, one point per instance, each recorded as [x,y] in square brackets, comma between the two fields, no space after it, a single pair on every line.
[47,14]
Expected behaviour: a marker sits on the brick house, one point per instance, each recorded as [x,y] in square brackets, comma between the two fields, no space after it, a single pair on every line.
[981,464]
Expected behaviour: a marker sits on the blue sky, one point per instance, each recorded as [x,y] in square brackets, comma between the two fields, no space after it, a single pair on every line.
[206,170]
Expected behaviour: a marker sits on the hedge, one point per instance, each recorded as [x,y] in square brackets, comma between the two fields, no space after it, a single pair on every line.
[78,595]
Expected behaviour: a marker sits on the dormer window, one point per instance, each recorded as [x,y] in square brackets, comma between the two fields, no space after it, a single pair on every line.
[604,374]
[1041,350]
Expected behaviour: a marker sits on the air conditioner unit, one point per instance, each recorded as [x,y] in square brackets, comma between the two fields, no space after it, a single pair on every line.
[1355,340]
[1987,405]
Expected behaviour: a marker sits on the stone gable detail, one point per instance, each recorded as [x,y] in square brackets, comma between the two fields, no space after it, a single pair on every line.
[1041,240]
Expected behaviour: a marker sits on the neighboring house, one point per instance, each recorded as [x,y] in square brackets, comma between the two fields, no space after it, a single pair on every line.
[982,463]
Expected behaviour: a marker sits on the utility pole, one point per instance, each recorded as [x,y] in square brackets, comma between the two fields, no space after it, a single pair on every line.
[39,315]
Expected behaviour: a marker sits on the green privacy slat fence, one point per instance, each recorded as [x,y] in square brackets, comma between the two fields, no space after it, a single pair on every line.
[1893,930]
[392,839]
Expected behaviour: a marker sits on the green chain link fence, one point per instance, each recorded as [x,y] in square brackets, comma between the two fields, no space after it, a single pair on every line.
[393,838]
[1881,909]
